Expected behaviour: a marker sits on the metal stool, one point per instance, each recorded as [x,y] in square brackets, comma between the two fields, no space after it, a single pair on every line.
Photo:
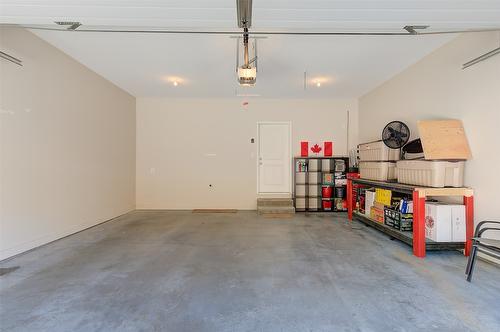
[488,246]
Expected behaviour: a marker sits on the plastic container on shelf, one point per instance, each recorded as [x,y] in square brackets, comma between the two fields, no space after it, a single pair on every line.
[377,151]
[314,190]
[378,171]
[327,165]
[301,178]
[314,203]
[326,192]
[314,177]
[314,165]
[431,173]
[300,204]
[301,190]
[339,192]
[327,205]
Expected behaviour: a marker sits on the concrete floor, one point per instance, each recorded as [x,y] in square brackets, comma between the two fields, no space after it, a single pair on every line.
[179,271]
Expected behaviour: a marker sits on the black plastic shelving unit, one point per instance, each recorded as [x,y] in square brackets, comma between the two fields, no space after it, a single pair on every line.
[334,209]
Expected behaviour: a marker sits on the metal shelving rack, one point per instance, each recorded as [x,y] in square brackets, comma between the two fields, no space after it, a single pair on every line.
[345,161]
[417,238]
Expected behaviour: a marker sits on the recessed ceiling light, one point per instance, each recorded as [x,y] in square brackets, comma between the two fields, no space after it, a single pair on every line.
[318,84]
[175,83]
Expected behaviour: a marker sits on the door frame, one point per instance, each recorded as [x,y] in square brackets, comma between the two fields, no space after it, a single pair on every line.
[290,156]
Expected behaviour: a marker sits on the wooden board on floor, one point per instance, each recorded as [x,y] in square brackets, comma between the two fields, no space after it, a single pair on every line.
[277,215]
[215,211]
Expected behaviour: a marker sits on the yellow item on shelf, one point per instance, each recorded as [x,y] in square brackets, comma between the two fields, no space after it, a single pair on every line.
[383,196]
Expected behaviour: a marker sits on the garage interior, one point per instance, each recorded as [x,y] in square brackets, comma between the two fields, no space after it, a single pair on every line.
[249,165]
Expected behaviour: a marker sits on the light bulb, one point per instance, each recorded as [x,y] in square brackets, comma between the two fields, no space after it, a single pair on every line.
[318,84]
[175,83]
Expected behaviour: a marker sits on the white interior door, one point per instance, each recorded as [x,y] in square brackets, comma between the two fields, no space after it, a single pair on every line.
[274,163]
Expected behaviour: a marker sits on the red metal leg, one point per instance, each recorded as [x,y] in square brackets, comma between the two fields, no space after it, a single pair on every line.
[418,224]
[349,199]
[469,223]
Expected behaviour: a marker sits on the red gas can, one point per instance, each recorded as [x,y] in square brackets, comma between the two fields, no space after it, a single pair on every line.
[327,205]
[326,192]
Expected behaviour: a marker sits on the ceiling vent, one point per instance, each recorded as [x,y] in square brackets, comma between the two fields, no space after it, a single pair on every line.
[412,29]
[68,24]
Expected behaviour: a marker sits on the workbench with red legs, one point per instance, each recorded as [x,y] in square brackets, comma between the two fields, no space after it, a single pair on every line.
[416,239]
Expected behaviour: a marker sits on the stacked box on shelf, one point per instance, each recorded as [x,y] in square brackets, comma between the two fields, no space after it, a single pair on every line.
[431,173]
[377,161]
[314,202]
[445,222]
[327,165]
[445,149]
[398,220]
[340,182]
[314,165]
[301,186]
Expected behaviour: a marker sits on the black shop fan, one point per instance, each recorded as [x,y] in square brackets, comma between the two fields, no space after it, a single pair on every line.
[395,134]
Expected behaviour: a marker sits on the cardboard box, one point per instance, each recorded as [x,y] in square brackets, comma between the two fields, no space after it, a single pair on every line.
[383,196]
[377,214]
[328,178]
[445,222]
[458,226]
[369,200]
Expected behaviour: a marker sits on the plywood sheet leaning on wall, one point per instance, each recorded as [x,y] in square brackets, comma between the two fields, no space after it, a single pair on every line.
[444,139]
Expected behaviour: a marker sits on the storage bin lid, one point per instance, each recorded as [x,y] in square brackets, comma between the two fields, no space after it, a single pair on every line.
[444,139]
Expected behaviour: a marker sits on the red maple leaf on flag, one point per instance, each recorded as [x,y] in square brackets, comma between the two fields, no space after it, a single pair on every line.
[316,148]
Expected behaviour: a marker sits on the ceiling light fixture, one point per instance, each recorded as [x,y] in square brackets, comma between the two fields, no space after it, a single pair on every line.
[175,83]
[318,84]
[247,74]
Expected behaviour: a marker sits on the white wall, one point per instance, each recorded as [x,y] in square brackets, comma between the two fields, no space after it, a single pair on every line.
[175,137]
[67,149]
[436,87]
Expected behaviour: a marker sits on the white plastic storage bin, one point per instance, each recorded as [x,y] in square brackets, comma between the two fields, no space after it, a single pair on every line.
[377,151]
[301,190]
[301,178]
[314,177]
[315,190]
[378,171]
[300,203]
[431,173]
[314,165]
[314,203]
[327,165]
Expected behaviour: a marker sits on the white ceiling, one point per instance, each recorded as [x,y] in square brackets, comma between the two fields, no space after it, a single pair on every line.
[205,64]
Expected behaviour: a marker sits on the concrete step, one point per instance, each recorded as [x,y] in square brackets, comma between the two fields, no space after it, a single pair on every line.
[276,210]
[284,202]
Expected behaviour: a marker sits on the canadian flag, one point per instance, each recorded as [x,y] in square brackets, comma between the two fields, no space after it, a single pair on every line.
[318,149]
[328,150]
